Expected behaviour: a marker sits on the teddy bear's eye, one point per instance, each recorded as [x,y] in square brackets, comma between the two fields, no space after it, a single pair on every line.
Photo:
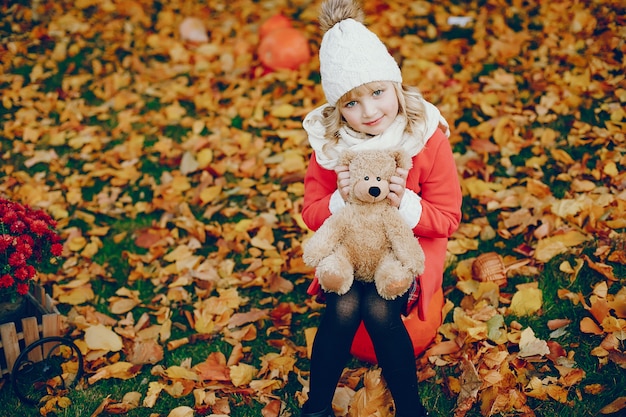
[377,178]
[367,178]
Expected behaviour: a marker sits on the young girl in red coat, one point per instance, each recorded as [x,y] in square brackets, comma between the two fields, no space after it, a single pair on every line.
[369,108]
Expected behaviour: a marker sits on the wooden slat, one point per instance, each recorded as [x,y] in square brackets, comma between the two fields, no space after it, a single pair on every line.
[10,344]
[30,329]
[51,326]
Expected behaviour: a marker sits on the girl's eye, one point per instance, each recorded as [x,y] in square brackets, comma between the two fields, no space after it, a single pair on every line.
[377,93]
[350,104]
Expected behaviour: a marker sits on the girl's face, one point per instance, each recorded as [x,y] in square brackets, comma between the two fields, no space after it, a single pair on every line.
[371,108]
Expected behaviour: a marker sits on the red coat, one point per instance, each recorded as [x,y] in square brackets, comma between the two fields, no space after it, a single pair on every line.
[434,178]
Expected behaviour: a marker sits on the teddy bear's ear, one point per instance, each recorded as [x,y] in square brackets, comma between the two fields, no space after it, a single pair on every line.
[346,157]
[403,160]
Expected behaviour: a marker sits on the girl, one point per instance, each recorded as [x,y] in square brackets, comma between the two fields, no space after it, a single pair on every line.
[369,108]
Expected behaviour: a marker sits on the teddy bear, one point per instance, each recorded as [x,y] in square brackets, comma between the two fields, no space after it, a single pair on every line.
[367,240]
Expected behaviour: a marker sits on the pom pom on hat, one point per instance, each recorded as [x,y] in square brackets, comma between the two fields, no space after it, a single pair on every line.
[350,56]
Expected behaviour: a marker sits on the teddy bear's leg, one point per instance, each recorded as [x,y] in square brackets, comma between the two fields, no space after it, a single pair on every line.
[335,272]
[392,278]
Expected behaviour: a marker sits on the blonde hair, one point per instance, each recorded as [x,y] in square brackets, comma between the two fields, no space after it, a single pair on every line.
[410,105]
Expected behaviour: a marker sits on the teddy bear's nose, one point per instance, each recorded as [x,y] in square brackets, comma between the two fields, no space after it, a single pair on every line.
[374,191]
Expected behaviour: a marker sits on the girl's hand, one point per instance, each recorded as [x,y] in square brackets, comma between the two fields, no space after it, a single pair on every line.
[397,185]
[343,181]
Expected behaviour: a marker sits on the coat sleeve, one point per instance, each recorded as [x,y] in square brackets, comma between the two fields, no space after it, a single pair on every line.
[319,185]
[437,183]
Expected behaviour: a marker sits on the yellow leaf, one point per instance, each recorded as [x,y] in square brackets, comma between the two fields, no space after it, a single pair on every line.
[462,245]
[210,194]
[373,398]
[154,390]
[181,373]
[265,386]
[611,169]
[561,156]
[476,329]
[551,246]
[180,183]
[526,302]
[204,157]
[100,337]
[77,243]
[536,389]
[242,374]
[175,112]
[477,187]
[121,305]
[293,161]
[181,251]
[283,111]
[74,296]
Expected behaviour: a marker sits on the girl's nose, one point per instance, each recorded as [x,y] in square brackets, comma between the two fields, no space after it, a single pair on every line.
[368,108]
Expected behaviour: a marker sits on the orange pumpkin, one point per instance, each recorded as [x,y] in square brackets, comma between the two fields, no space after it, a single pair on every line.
[422,332]
[284,48]
[278,21]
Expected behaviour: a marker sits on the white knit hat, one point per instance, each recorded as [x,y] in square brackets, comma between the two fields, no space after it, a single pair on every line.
[350,56]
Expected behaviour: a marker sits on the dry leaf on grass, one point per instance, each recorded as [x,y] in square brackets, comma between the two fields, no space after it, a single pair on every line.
[373,400]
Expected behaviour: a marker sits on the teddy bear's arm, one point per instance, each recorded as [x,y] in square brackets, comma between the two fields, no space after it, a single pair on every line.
[324,240]
[404,244]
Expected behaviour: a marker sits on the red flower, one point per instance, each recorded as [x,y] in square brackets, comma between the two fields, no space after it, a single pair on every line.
[5,242]
[9,217]
[25,272]
[56,249]
[25,239]
[17,226]
[39,227]
[6,281]
[17,259]
[24,248]
[22,288]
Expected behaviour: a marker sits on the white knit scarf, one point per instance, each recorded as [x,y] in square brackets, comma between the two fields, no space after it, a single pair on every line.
[393,137]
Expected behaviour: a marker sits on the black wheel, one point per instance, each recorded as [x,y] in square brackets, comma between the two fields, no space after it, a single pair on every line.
[60,367]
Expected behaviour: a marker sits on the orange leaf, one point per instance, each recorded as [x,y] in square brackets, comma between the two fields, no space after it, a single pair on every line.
[587,325]
[214,368]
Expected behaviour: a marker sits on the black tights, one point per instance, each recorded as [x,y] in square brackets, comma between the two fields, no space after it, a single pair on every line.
[392,344]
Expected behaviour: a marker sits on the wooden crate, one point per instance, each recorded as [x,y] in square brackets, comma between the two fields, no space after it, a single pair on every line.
[14,337]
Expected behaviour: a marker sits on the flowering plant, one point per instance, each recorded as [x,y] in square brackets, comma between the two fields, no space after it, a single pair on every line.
[29,243]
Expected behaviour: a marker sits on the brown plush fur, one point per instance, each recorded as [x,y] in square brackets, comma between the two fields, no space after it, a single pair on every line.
[334,11]
[367,240]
